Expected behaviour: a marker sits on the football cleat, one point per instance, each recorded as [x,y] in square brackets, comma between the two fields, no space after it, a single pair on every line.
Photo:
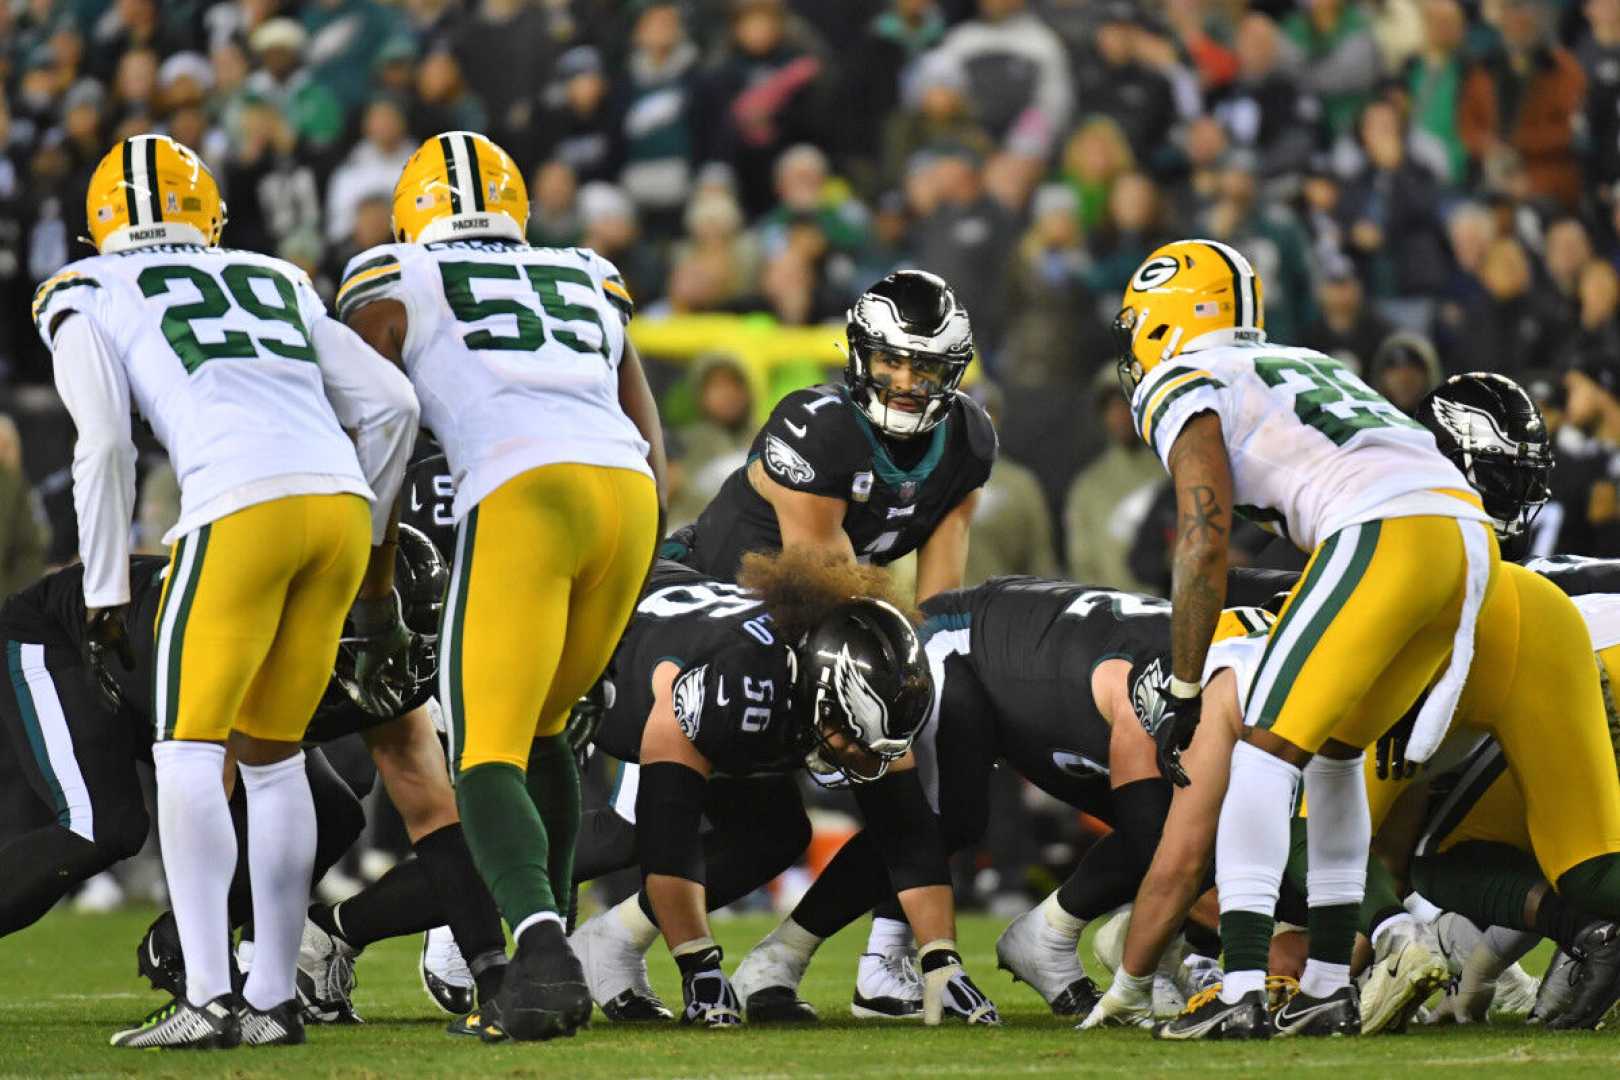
[1108,943]
[482,1023]
[445,975]
[887,986]
[158,958]
[1116,1009]
[279,1026]
[1034,953]
[1303,1015]
[767,983]
[1208,1017]
[180,1025]
[1197,973]
[1557,989]
[544,994]
[616,972]
[1407,968]
[1596,981]
[325,978]
[1515,996]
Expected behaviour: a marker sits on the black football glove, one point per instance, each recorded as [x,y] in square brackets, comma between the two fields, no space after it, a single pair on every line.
[710,1000]
[382,645]
[947,988]
[1170,721]
[1389,756]
[106,637]
[586,717]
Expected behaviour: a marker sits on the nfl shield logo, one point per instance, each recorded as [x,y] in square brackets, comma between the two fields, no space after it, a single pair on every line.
[174,203]
[908,490]
[424,201]
[861,489]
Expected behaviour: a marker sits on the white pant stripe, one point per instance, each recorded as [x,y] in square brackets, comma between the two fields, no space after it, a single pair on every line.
[165,637]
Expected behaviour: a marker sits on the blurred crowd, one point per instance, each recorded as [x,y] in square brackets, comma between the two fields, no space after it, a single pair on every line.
[1426,187]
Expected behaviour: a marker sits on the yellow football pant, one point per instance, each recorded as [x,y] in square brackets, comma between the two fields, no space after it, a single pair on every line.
[1368,626]
[546,574]
[251,612]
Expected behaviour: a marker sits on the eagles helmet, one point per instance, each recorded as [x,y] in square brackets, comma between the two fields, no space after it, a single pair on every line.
[421,578]
[1491,430]
[910,315]
[863,674]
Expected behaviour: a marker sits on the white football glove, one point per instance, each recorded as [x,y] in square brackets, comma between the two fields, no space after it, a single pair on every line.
[947,987]
[1122,1006]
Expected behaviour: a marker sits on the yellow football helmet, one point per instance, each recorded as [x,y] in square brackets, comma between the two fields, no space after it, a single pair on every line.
[150,189]
[460,184]
[1185,291]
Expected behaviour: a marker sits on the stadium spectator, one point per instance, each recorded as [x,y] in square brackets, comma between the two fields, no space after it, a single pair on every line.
[576,122]
[1592,385]
[1527,96]
[443,102]
[1018,74]
[1053,333]
[1434,82]
[715,442]
[1599,56]
[507,51]
[1011,532]
[882,62]
[372,168]
[1104,507]
[1341,62]
[1273,241]
[282,80]
[272,192]
[1095,156]
[554,206]
[609,227]
[1392,210]
[1510,324]
[345,37]
[1267,109]
[1345,327]
[1118,85]
[1597,303]
[25,536]
[934,115]
[715,235]
[657,123]
[967,241]
[1404,369]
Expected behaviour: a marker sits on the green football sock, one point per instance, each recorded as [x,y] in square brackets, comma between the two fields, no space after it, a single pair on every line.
[1487,882]
[553,784]
[1594,886]
[508,840]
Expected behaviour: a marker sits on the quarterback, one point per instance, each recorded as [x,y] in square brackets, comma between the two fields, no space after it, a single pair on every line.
[233,360]
[552,439]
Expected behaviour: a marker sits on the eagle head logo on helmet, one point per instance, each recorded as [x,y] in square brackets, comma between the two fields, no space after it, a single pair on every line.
[910,316]
[1489,427]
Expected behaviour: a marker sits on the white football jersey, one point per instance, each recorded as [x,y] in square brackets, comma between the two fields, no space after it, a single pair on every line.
[1312,448]
[1601,611]
[218,351]
[514,352]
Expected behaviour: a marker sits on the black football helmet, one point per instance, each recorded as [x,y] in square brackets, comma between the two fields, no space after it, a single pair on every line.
[1491,430]
[913,315]
[862,674]
[421,578]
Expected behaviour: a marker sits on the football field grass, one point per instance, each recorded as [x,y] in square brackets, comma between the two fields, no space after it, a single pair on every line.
[69,982]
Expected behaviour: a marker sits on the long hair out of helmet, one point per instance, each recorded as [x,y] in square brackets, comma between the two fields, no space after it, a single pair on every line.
[1492,431]
[914,316]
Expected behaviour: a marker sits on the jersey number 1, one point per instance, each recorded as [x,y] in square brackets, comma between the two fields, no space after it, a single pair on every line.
[212,303]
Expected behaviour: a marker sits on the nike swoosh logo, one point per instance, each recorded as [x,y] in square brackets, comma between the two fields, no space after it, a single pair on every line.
[798,432]
[1291,1021]
[720,693]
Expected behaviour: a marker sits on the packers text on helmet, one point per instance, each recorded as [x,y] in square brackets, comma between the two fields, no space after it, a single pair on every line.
[150,189]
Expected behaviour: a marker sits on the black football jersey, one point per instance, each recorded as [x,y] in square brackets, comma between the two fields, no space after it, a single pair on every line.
[1578,575]
[51,612]
[818,441]
[1032,644]
[429,493]
[734,693]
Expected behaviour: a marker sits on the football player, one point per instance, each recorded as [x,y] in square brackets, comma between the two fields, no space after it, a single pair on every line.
[1403,559]
[232,359]
[888,463]
[552,436]
[722,695]
[1038,674]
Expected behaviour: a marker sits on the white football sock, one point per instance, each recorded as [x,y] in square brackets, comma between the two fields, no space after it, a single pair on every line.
[1338,832]
[281,858]
[199,858]
[888,934]
[1390,924]
[796,938]
[1058,921]
[641,930]
[1321,978]
[1251,845]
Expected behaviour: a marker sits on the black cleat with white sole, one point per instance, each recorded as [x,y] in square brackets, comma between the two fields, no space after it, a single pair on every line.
[1303,1015]
[1208,1017]
[634,1007]
[158,959]
[1596,980]
[544,993]
[280,1025]
[1077,999]
[179,1025]
[779,1005]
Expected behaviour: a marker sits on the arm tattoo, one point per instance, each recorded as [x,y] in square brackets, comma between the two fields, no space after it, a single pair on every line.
[1204,522]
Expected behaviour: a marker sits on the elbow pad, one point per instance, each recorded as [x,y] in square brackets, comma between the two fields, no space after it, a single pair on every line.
[905,829]
[669,820]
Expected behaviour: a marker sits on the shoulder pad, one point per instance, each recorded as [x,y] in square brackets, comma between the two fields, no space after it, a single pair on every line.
[812,442]
[63,291]
[981,432]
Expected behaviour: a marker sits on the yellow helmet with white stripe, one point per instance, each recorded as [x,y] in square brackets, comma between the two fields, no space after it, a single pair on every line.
[150,189]
[457,184]
[1188,293]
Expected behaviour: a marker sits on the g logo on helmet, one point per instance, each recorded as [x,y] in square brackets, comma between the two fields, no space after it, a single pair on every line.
[1155,272]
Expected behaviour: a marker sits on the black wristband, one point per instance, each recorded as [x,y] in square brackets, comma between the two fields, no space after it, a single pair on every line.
[905,829]
[938,958]
[669,820]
